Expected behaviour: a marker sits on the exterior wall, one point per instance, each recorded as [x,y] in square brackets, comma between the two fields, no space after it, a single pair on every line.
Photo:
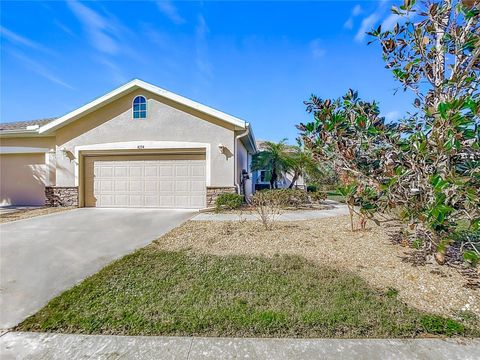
[33,145]
[22,179]
[114,123]
[213,192]
[61,196]
[243,162]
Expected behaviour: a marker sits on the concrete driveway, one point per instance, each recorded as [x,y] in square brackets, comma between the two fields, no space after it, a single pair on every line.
[43,256]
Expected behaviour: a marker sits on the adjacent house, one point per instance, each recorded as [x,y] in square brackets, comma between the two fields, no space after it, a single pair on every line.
[137,146]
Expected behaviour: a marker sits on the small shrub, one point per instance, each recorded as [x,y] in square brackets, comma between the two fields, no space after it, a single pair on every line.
[291,197]
[268,205]
[312,188]
[228,201]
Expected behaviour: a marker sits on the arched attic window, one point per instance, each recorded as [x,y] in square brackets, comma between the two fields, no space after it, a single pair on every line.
[139,107]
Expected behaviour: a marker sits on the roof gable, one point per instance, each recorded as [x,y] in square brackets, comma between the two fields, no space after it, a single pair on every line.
[129,87]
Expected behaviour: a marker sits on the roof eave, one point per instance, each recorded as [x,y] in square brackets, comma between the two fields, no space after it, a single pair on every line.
[18,133]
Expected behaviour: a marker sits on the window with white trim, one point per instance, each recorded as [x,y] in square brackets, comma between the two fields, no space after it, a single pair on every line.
[139,107]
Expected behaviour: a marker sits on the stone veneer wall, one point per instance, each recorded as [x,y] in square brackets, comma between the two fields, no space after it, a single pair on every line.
[213,192]
[61,196]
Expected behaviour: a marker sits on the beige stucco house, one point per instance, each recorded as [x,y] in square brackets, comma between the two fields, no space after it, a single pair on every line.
[137,146]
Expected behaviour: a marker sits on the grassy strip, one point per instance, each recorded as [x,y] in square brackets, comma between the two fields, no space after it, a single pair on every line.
[155,292]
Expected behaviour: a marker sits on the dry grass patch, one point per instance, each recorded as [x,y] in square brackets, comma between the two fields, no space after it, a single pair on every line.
[30,213]
[329,242]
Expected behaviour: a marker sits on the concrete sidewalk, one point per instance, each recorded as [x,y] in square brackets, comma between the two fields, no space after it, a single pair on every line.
[333,209]
[59,346]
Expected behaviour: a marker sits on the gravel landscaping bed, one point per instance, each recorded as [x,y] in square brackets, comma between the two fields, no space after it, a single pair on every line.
[26,213]
[369,254]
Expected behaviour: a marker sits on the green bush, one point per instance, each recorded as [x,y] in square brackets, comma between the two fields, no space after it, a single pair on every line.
[312,188]
[228,201]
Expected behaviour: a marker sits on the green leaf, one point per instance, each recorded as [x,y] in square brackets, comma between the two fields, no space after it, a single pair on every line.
[471,257]
[442,109]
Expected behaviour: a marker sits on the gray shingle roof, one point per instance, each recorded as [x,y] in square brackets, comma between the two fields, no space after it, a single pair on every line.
[22,125]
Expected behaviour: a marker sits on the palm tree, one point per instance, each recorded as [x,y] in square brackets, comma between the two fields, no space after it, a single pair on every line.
[273,158]
[302,163]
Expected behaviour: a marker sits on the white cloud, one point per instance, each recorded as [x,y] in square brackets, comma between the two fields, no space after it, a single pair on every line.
[201,60]
[102,31]
[367,24]
[39,69]
[317,50]
[168,9]
[17,39]
[348,24]
[381,12]
[390,21]
[65,28]
[117,74]
[392,116]
[357,10]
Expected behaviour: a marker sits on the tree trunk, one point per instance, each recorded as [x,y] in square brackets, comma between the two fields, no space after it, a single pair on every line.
[296,175]
[273,180]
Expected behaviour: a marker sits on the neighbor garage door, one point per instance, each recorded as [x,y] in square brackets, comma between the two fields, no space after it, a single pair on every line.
[22,179]
[168,181]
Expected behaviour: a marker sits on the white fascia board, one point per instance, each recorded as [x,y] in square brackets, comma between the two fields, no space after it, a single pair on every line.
[22,150]
[22,132]
[252,138]
[129,87]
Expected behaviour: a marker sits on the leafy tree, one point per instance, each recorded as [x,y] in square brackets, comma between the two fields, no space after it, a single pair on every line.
[273,158]
[426,166]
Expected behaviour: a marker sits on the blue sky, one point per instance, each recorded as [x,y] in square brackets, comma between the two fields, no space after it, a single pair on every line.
[255,60]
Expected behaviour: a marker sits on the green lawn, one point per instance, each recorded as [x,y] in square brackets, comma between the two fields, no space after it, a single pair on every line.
[155,292]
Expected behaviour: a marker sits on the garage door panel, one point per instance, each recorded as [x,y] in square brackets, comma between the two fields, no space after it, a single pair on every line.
[135,171]
[151,185]
[121,171]
[107,200]
[136,185]
[151,171]
[145,183]
[121,185]
[106,171]
[182,201]
[166,171]
[181,171]
[197,201]
[136,201]
[182,185]
[198,171]
[167,185]
[197,185]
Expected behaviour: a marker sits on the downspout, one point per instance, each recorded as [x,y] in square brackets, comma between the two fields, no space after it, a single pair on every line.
[238,137]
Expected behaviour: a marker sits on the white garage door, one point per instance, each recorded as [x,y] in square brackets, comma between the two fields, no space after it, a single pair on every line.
[22,179]
[164,183]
